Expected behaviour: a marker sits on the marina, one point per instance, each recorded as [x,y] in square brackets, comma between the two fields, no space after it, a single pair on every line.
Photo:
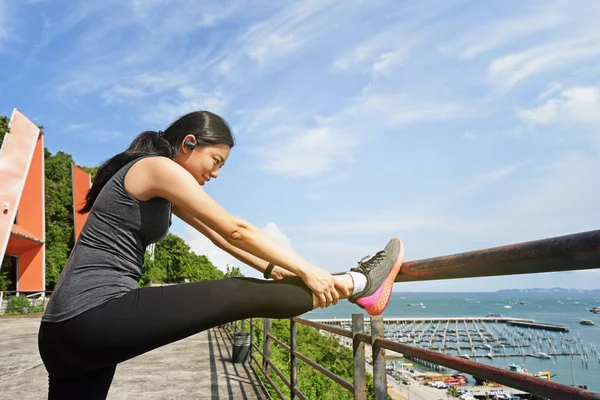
[479,338]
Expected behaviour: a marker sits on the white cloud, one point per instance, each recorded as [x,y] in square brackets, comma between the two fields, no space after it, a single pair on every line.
[503,32]
[552,88]
[378,55]
[307,153]
[391,222]
[5,27]
[496,175]
[273,45]
[189,100]
[400,109]
[70,127]
[286,32]
[508,70]
[574,106]
[273,231]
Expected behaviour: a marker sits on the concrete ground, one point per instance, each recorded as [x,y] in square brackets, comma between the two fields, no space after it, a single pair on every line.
[193,368]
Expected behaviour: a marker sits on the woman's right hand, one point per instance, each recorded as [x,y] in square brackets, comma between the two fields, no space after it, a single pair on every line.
[322,284]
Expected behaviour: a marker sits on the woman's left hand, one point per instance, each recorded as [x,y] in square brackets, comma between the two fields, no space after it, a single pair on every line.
[280,273]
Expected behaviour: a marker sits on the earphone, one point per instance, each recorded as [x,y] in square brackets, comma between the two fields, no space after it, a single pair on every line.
[189,144]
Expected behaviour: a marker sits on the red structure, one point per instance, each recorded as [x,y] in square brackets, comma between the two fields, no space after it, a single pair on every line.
[82,182]
[22,202]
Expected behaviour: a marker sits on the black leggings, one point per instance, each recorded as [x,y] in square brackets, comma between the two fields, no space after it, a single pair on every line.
[81,354]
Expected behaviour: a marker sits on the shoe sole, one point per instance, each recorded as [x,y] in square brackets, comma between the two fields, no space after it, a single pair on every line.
[384,292]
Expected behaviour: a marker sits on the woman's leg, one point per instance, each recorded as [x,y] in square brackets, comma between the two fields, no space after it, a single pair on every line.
[147,318]
[91,386]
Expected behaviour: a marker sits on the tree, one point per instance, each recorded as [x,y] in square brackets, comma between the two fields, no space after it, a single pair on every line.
[3,128]
[59,214]
[233,272]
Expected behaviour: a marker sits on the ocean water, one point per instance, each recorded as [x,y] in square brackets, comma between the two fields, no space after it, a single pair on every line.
[551,308]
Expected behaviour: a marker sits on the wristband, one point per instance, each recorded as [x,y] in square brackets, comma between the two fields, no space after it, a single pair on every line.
[267,273]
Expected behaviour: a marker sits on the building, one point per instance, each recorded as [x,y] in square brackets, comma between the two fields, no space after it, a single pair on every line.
[22,201]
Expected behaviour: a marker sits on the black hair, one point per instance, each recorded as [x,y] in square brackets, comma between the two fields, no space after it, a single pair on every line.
[208,128]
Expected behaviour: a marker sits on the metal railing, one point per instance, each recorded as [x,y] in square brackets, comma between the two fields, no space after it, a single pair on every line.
[565,253]
[13,302]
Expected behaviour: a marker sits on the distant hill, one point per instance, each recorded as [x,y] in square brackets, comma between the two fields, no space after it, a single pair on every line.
[548,290]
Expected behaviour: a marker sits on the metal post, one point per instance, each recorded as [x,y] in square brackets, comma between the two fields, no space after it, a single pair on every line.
[293,362]
[379,373]
[358,350]
[244,325]
[251,341]
[267,346]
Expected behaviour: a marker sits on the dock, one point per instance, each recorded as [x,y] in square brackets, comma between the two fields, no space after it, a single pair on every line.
[533,325]
[480,338]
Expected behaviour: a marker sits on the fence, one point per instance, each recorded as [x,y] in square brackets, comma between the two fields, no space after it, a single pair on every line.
[565,253]
[12,302]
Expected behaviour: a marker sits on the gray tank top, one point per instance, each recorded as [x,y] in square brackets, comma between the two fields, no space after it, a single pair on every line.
[106,261]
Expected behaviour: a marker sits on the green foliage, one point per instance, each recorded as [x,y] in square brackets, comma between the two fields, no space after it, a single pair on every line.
[174,262]
[4,281]
[91,170]
[233,272]
[17,303]
[3,128]
[326,351]
[59,214]
[453,391]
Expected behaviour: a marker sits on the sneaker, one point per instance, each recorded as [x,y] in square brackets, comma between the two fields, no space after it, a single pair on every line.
[381,271]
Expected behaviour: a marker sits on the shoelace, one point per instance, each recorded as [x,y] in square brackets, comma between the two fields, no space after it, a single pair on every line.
[367,266]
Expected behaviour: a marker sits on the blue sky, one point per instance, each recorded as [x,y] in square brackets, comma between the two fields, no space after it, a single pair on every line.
[452,125]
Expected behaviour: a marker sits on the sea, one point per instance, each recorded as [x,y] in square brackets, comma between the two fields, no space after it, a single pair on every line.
[557,308]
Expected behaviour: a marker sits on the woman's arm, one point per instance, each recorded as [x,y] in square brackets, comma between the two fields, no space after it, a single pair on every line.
[162,177]
[245,257]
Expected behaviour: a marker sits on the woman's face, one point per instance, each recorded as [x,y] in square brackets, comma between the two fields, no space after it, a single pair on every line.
[204,162]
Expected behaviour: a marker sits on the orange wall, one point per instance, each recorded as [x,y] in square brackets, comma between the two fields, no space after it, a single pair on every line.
[81,185]
[31,210]
[31,270]
[31,216]
[17,151]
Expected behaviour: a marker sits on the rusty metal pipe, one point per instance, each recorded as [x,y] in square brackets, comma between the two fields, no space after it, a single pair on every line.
[529,384]
[563,253]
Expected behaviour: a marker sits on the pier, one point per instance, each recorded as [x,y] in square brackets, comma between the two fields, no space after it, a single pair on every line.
[547,327]
[479,338]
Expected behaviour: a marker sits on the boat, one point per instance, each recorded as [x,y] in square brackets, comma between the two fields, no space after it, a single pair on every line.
[507,306]
[539,354]
[540,374]
[494,316]
[586,322]
[415,304]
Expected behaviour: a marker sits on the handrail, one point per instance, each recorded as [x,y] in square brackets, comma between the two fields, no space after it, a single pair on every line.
[564,253]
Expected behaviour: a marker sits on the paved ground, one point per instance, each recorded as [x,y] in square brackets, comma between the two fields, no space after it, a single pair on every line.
[193,368]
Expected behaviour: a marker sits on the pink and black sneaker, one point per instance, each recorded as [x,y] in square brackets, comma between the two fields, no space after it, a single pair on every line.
[381,271]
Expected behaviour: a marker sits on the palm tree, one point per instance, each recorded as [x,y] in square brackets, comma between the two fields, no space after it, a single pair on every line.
[453,391]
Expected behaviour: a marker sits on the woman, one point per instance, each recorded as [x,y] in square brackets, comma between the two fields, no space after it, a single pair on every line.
[98,316]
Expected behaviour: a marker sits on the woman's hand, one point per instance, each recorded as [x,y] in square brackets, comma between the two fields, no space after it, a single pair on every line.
[322,284]
[278,273]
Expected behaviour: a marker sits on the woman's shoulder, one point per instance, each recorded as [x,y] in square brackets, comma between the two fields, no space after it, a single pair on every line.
[143,177]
